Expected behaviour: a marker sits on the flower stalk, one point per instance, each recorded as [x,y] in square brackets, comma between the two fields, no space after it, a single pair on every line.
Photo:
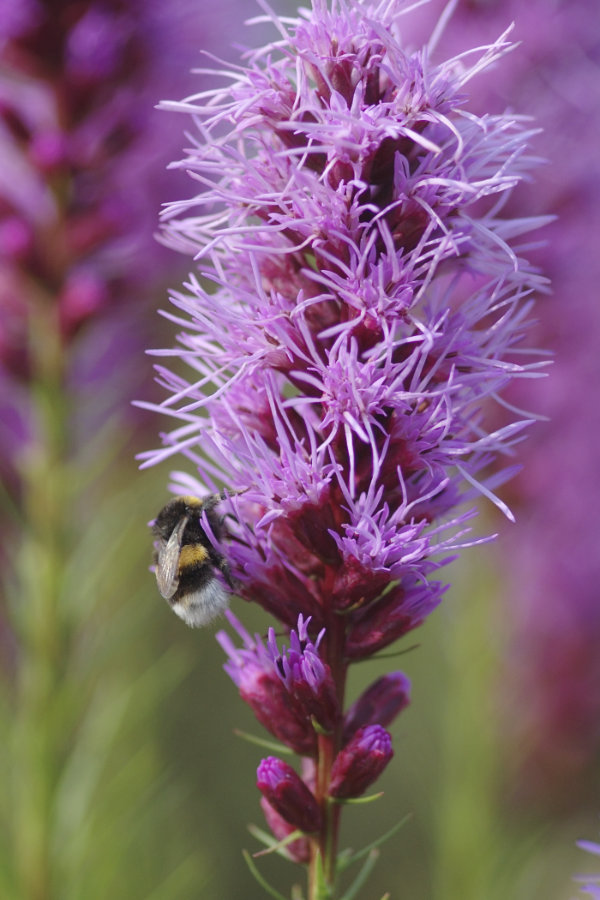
[42,564]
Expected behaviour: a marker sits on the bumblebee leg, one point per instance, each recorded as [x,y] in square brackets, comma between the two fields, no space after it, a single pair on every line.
[224,567]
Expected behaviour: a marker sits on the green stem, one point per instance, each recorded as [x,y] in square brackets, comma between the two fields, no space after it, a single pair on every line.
[324,849]
[41,572]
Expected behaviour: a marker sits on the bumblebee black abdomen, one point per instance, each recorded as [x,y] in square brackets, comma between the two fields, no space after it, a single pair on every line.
[185,559]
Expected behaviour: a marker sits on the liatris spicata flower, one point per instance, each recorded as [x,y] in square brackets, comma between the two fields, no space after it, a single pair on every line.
[369,298]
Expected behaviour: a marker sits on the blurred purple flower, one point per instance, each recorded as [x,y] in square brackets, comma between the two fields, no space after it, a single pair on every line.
[590,884]
[83,152]
[554,572]
[591,890]
[369,298]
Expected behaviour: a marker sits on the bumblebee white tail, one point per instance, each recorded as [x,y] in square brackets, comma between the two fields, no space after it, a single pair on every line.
[202,606]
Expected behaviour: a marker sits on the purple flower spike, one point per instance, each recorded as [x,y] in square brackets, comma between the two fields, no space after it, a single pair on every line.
[360,302]
[288,795]
[380,703]
[361,762]
[368,308]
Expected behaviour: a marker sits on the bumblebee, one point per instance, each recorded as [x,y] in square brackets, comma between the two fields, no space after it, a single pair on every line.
[186,561]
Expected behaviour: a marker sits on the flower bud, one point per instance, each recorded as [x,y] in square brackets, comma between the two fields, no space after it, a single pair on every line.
[306,676]
[270,702]
[403,608]
[314,689]
[360,762]
[357,584]
[380,703]
[258,679]
[283,788]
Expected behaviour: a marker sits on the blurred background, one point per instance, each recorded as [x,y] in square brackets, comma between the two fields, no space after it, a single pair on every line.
[121,775]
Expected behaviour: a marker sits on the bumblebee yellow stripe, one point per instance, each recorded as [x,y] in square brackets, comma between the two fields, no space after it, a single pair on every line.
[192,555]
[191,501]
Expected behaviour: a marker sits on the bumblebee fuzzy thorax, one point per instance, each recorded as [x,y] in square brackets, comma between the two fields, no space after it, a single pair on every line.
[185,559]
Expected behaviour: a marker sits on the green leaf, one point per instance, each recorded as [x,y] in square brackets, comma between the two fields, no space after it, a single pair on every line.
[395,653]
[345,860]
[272,845]
[259,878]
[319,728]
[362,876]
[350,801]
[263,742]
[324,890]
[297,892]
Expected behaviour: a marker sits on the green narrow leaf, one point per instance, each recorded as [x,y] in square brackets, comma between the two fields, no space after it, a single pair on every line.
[177,881]
[6,881]
[347,860]
[272,845]
[262,742]
[362,877]
[356,801]
[394,654]
[319,728]
[324,891]
[259,878]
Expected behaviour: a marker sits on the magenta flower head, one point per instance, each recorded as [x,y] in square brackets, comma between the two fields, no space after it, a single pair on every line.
[307,678]
[288,795]
[259,676]
[361,301]
[361,762]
